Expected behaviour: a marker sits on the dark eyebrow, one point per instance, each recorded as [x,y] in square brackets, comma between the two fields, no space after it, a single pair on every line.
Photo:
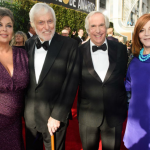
[9,23]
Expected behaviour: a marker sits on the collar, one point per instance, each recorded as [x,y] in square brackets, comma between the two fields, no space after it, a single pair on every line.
[30,34]
[92,44]
[79,36]
[44,41]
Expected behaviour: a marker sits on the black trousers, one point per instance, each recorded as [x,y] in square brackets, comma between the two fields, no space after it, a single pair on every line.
[90,136]
[35,139]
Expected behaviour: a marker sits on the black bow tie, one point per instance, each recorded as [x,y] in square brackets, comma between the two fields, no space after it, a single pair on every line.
[102,47]
[44,45]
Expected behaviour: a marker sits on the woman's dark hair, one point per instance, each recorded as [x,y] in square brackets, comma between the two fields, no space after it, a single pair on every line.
[6,12]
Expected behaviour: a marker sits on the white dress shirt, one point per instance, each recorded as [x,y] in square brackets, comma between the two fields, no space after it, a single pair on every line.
[39,59]
[30,34]
[100,60]
[80,38]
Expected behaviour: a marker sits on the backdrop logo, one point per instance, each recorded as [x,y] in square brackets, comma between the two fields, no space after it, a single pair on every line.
[66,1]
[83,5]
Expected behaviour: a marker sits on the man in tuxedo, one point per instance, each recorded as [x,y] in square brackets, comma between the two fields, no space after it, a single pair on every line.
[110,35]
[54,75]
[79,37]
[31,31]
[102,105]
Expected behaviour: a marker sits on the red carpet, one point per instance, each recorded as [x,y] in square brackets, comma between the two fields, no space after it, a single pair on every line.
[73,141]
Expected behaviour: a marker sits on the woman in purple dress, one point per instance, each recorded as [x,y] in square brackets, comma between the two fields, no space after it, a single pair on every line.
[137,134]
[14,78]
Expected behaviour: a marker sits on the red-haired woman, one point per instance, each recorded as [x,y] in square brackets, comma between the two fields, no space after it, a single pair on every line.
[137,134]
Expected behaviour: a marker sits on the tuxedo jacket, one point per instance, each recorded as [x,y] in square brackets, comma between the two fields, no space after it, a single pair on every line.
[28,35]
[108,98]
[55,91]
[78,39]
[112,38]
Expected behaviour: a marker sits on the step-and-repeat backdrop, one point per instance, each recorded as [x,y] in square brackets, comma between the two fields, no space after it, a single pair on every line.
[80,5]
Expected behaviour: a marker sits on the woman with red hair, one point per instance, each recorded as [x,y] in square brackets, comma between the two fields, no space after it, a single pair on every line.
[137,134]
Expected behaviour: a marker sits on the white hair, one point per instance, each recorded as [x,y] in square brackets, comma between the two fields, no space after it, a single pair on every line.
[39,8]
[65,31]
[91,14]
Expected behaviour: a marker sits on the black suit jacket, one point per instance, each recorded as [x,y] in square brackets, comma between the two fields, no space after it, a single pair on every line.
[55,91]
[28,35]
[112,38]
[107,98]
[78,39]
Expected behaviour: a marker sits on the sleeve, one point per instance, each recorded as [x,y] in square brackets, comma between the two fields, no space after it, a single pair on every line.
[124,58]
[128,86]
[68,91]
[128,80]
[26,46]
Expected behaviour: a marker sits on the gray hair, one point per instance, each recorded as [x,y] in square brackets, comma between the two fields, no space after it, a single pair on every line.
[91,14]
[13,41]
[38,8]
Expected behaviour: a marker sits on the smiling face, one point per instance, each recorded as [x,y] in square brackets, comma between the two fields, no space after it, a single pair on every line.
[6,29]
[44,26]
[144,35]
[97,29]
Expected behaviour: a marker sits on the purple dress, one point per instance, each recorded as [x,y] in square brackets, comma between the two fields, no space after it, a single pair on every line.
[137,134]
[12,92]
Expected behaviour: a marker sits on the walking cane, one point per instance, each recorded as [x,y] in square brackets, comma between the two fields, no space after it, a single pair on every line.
[52,142]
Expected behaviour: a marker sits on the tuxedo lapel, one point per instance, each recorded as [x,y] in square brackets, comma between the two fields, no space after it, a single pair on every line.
[31,59]
[112,54]
[88,60]
[52,53]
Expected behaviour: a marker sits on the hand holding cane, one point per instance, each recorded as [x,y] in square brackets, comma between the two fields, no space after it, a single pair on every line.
[53,125]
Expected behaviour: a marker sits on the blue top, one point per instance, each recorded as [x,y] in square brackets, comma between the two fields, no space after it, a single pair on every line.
[137,134]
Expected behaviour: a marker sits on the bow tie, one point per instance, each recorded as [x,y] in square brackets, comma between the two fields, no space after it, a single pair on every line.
[44,45]
[102,47]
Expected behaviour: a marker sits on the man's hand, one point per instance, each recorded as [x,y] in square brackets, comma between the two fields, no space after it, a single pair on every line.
[53,125]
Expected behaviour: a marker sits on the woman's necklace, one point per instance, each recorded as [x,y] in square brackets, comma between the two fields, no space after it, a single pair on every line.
[143,58]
